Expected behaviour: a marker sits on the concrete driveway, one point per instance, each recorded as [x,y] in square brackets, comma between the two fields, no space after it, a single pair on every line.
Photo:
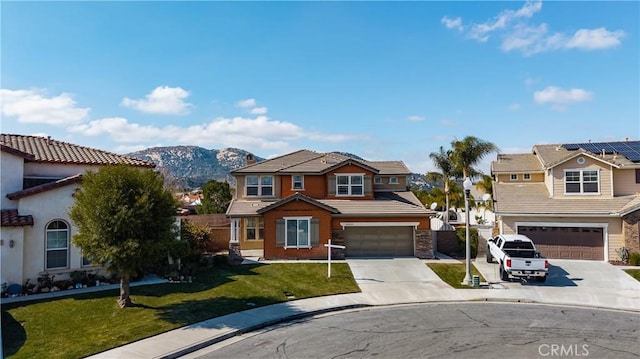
[398,280]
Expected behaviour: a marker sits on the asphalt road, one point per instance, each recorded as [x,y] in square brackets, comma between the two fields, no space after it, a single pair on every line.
[452,330]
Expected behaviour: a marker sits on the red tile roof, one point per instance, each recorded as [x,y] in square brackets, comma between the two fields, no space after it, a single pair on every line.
[48,150]
[11,218]
[45,187]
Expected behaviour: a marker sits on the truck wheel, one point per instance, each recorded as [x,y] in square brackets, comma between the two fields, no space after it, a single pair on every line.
[541,279]
[503,274]
[489,257]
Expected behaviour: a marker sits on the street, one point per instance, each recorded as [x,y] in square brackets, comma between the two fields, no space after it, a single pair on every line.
[439,330]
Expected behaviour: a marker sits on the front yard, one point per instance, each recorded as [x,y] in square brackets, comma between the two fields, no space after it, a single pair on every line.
[453,273]
[86,324]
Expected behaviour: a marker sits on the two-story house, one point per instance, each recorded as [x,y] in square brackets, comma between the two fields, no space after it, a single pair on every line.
[39,178]
[290,206]
[576,201]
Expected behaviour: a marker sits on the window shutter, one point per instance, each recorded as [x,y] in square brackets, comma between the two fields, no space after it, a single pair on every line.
[367,185]
[315,232]
[280,233]
[332,185]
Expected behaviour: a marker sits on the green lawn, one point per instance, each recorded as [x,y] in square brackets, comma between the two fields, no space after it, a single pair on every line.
[453,273]
[82,325]
[635,273]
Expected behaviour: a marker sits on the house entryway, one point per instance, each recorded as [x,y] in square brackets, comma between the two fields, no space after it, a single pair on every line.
[379,241]
[567,242]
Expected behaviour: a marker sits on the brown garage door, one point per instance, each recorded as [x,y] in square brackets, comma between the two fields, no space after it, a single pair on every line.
[567,242]
[379,241]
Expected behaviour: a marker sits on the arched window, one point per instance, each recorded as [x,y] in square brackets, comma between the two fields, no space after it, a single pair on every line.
[57,246]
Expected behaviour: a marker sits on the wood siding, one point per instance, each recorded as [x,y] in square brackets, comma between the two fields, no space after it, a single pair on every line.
[506,177]
[589,164]
[624,182]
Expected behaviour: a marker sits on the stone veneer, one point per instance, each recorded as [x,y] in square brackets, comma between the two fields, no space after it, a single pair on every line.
[337,237]
[631,231]
[424,244]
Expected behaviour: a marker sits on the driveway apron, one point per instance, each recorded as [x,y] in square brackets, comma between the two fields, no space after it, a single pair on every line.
[399,280]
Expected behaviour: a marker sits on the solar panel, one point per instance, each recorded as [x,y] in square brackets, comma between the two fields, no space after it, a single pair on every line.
[628,149]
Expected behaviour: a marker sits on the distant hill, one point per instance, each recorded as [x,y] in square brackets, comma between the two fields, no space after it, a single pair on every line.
[192,166]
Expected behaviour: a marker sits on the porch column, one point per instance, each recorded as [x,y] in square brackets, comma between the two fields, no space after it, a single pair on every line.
[235,230]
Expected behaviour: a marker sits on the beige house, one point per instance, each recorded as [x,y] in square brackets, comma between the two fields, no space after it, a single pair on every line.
[39,178]
[576,201]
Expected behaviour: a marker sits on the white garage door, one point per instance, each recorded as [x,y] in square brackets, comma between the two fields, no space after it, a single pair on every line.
[379,241]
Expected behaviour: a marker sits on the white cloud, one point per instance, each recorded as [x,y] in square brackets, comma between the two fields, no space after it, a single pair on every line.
[415,118]
[455,23]
[518,35]
[260,133]
[250,102]
[163,100]
[514,106]
[258,111]
[33,106]
[595,39]
[559,98]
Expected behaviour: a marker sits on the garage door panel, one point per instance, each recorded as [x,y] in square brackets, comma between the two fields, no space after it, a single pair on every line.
[567,242]
[379,241]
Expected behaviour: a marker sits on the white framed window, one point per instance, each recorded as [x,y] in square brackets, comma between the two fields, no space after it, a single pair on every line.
[297,232]
[259,185]
[254,228]
[514,176]
[86,262]
[350,185]
[57,245]
[527,176]
[581,181]
[393,180]
[297,182]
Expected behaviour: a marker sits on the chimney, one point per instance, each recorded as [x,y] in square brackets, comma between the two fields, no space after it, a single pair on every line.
[48,140]
[250,159]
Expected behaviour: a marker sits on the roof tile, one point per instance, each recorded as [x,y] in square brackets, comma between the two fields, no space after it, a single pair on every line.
[11,218]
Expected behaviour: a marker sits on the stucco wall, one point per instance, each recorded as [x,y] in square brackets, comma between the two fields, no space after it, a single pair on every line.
[624,182]
[314,186]
[11,167]
[589,164]
[56,170]
[11,258]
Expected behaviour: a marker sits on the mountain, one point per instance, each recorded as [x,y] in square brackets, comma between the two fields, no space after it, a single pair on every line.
[192,166]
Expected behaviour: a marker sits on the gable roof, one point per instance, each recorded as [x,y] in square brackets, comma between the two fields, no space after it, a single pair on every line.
[514,163]
[11,218]
[305,161]
[297,197]
[534,199]
[48,150]
[45,187]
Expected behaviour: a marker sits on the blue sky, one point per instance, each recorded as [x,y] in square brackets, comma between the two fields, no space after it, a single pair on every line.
[383,80]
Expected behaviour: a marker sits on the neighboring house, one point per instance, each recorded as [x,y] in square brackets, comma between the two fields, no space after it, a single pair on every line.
[39,178]
[293,204]
[576,201]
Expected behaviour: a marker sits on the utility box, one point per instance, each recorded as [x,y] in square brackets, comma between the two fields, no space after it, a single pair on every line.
[476,280]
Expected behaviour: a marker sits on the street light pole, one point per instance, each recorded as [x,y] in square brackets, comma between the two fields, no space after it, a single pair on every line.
[467,190]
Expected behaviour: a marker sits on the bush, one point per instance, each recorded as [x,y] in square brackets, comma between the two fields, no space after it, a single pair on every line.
[634,259]
[473,235]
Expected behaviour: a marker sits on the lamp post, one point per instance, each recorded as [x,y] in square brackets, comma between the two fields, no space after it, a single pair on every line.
[467,189]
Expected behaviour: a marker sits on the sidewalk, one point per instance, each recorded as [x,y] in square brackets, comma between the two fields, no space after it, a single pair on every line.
[393,289]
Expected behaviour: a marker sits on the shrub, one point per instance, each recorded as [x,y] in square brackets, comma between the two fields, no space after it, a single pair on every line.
[634,259]
[473,235]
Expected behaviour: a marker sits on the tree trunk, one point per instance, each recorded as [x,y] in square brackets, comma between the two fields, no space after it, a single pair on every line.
[124,300]
[446,206]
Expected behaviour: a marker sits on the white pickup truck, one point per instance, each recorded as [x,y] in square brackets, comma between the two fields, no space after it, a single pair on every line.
[517,257]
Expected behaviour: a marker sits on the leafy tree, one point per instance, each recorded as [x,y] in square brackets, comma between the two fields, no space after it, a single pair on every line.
[467,153]
[486,186]
[443,162]
[216,197]
[125,218]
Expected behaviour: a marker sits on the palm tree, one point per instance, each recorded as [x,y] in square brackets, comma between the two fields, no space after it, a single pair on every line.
[467,153]
[442,161]
[486,185]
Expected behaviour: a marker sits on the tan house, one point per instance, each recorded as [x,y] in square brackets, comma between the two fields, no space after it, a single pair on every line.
[39,178]
[576,201]
[290,206]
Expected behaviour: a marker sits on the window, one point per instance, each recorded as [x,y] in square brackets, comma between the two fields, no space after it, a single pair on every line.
[581,181]
[57,245]
[297,182]
[259,185]
[514,176]
[637,175]
[377,180]
[393,180]
[255,228]
[527,176]
[297,233]
[350,185]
